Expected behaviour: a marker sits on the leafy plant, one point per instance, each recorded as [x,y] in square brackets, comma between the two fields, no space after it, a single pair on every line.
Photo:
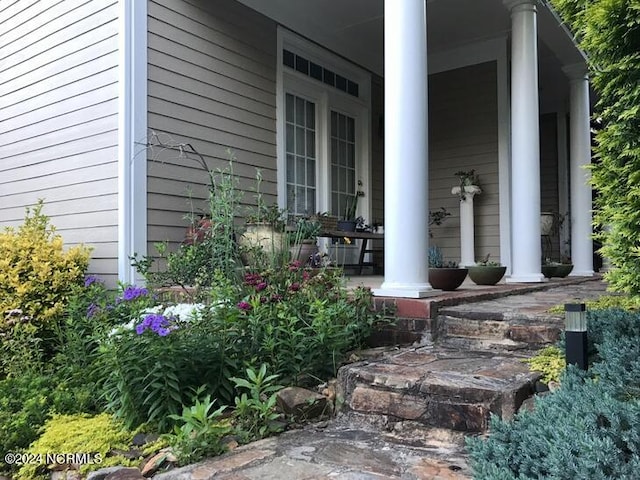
[37,275]
[550,361]
[352,203]
[609,34]
[466,178]
[485,262]
[263,213]
[437,261]
[255,414]
[194,263]
[200,430]
[96,436]
[589,428]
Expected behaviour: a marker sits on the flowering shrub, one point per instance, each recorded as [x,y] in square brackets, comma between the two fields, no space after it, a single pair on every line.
[301,324]
[36,273]
[298,324]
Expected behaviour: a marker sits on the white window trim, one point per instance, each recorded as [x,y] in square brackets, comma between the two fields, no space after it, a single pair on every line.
[326,99]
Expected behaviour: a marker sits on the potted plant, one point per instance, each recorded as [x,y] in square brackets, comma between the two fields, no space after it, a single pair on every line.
[486,272]
[444,275]
[469,183]
[303,240]
[264,229]
[557,269]
[348,222]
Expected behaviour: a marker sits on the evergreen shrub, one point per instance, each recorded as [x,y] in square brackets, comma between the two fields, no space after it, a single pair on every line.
[589,428]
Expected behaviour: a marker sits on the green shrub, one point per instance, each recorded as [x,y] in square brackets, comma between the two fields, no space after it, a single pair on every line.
[37,276]
[36,273]
[95,436]
[609,33]
[589,428]
[200,431]
[300,327]
[27,401]
[550,361]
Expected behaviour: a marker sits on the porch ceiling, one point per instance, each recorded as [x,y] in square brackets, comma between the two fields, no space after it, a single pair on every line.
[355,28]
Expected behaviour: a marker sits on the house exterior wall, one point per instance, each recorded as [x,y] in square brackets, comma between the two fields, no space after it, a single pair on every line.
[463,135]
[58,120]
[212,84]
[549,180]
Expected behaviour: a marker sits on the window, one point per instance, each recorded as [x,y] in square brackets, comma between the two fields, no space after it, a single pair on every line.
[323,128]
[343,162]
[300,139]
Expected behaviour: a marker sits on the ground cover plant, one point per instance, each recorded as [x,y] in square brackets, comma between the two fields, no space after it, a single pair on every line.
[589,428]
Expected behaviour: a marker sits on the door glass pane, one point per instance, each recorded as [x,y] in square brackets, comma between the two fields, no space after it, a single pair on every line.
[300,135]
[343,165]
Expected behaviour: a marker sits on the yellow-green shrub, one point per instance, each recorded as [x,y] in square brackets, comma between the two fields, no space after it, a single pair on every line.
[36,273]
[549,361]
[78,434]
[623,302]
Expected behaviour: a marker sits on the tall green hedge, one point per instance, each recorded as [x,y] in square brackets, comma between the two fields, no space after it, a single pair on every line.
[609,33]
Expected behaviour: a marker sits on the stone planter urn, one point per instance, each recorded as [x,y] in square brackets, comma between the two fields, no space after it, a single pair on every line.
[261,236]
[486,275]
[447,278]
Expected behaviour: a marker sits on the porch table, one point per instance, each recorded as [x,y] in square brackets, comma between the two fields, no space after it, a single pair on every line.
[364,236]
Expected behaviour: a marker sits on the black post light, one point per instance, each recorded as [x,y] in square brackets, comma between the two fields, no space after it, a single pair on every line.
[576,334]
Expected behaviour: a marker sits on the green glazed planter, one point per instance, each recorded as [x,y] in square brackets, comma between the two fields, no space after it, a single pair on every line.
[563,270]
[549,270]
[486,275]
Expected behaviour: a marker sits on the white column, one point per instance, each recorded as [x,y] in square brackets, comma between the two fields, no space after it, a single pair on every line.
[525,148]
[406,150]
[467,229]
[579,158]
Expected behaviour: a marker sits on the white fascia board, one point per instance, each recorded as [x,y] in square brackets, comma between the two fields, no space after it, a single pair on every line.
[132,132]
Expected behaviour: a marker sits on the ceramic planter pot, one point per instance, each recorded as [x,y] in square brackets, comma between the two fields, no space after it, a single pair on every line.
[301,252]
[486,275]
[447,278]
[347,225]
[549,270]
[563,270]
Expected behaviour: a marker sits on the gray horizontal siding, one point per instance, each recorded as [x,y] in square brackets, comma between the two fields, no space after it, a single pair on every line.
[58,120]
[463,135]
[211,84]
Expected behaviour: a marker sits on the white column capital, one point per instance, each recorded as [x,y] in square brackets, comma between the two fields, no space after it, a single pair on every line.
[521,5]
[576,72]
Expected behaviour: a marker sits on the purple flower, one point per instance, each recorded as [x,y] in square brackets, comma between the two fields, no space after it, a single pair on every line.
[90,280]
[131,292]
[294,287]
[163,332]
[92,310]
[244,305]
[276,298]
[157,323]
[261,286]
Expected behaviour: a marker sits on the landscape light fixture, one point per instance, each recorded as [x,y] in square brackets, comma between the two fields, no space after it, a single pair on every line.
[576,334]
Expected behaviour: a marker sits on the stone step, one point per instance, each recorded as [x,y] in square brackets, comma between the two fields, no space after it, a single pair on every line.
[465,329]
[437,387]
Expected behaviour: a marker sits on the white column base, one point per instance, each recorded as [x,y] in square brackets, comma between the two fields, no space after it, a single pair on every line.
[583,273]
[404,290]
[530,278]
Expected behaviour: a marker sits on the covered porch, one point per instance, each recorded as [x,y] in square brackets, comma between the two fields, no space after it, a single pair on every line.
[536,105]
